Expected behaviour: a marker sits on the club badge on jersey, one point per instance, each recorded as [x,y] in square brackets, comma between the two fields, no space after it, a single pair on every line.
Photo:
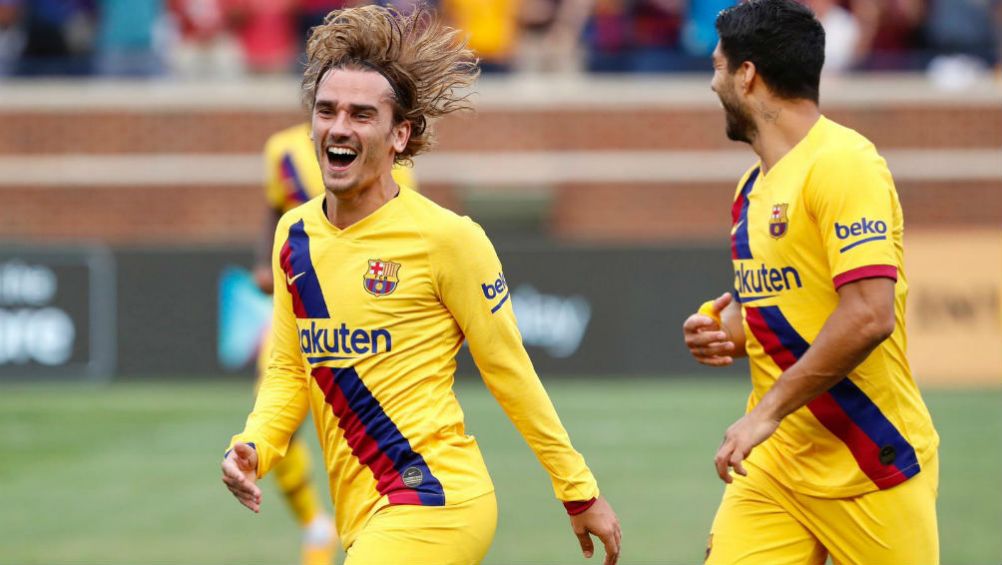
[778,221]
[380,279]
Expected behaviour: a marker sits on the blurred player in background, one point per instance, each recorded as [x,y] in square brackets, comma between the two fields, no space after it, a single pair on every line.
[292,177]
[837,454]
[381,287]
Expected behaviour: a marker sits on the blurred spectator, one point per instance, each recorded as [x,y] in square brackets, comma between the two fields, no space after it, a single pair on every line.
[203,46]
[58,37]
[842,35]
[491,25]
[889,33]
[639,36]
[962,34]
[549,38]
[11,40]
[699,34]
[267,32]
[130,36]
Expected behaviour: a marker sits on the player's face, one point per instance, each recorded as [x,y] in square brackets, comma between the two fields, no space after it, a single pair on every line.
[353,130]
[740,125]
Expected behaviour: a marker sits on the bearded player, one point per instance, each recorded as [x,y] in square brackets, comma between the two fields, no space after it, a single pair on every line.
[836,455]
[376,290]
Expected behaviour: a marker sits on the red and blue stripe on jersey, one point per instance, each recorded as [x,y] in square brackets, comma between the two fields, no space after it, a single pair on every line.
[740,247]
[845,410]
[372,436]
[375,440]
[295,190]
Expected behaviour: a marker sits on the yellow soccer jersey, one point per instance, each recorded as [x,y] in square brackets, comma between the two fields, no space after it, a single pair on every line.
[827,214]
[292,175]
[376,313]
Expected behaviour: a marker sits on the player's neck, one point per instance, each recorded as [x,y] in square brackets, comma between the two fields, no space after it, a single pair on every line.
[781,126]
[352,206]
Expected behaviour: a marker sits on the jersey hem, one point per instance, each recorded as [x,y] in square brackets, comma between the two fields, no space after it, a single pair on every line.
[857,489]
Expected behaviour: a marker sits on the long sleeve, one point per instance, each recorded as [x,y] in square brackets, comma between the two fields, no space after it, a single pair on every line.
[472,286]
[283,398]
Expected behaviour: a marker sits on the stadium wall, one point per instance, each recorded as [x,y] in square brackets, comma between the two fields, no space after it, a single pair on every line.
[632,161]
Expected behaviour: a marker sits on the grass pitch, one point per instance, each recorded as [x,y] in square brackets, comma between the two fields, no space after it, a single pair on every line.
[129,473]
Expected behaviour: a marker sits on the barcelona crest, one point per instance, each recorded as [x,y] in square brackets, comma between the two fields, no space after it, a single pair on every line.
[778,221]
[381,277]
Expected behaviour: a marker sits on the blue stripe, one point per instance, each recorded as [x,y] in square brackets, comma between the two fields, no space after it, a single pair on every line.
[322,359]
[741,243]
[862,241]
[780,326]
[389,439]
[293,175]
[500,304]
[743,300]
[874,424]
[308,284]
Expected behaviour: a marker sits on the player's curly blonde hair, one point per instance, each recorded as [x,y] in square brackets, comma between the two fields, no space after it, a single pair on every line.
[424,61]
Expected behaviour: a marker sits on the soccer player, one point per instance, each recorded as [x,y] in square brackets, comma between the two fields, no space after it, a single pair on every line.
[376,289]
[292,177]
[836,454]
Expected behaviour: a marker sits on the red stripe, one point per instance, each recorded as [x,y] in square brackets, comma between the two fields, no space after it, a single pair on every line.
[363,446]
[866,453]
[735,216]
[769,340]
[867,272]
[285,259]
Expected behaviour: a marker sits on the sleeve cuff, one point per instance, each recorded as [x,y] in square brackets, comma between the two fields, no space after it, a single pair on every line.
[576,507]
[867,272]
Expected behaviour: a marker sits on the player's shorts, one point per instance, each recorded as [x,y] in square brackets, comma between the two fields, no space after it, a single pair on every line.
[761,522]
[457,534]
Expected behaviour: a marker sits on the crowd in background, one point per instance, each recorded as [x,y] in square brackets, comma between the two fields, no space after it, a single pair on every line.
[231,38]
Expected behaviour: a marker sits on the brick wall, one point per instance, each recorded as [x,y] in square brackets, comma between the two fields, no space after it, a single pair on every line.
[637,211]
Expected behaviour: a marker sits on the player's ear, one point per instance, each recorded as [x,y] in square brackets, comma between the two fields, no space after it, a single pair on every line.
[745,77]
[401,135]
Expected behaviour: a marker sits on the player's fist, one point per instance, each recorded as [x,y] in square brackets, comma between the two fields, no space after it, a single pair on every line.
[240,475]
[705,336]
[264,279]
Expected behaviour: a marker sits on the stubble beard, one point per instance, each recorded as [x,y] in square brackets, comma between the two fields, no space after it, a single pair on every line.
[740,125]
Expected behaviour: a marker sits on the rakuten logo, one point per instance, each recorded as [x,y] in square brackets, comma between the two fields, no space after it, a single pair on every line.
[862,227]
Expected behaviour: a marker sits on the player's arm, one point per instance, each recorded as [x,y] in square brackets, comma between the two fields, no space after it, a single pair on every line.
[282,400]
[467,276]
[862,320]
[274,192]
[848,188]
[715,335]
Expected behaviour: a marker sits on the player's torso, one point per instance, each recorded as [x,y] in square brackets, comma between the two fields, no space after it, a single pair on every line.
[381,349]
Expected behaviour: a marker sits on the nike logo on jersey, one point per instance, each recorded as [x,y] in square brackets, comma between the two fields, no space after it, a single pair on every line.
[290,280]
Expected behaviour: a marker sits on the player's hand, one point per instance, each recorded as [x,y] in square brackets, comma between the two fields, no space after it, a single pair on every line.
[599,520]
[706,339]
[240,475]
[264,278]
[743,435]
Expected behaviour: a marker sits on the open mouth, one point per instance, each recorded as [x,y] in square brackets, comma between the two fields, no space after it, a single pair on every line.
[341,157]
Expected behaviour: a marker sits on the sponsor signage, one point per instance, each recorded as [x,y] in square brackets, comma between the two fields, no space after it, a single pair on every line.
[57,313]
[954,307]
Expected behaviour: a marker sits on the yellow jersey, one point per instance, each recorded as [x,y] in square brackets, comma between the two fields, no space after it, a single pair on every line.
[292,174]
[376,313]
[827,214]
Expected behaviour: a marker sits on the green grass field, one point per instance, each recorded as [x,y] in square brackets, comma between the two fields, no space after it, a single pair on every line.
[129,473]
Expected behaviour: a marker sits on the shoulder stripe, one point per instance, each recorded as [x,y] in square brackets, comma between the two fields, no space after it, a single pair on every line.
[740,247]
[300,275]
[295,190]
[879,449]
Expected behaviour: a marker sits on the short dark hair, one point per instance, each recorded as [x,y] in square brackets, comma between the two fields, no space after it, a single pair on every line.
[782,38]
